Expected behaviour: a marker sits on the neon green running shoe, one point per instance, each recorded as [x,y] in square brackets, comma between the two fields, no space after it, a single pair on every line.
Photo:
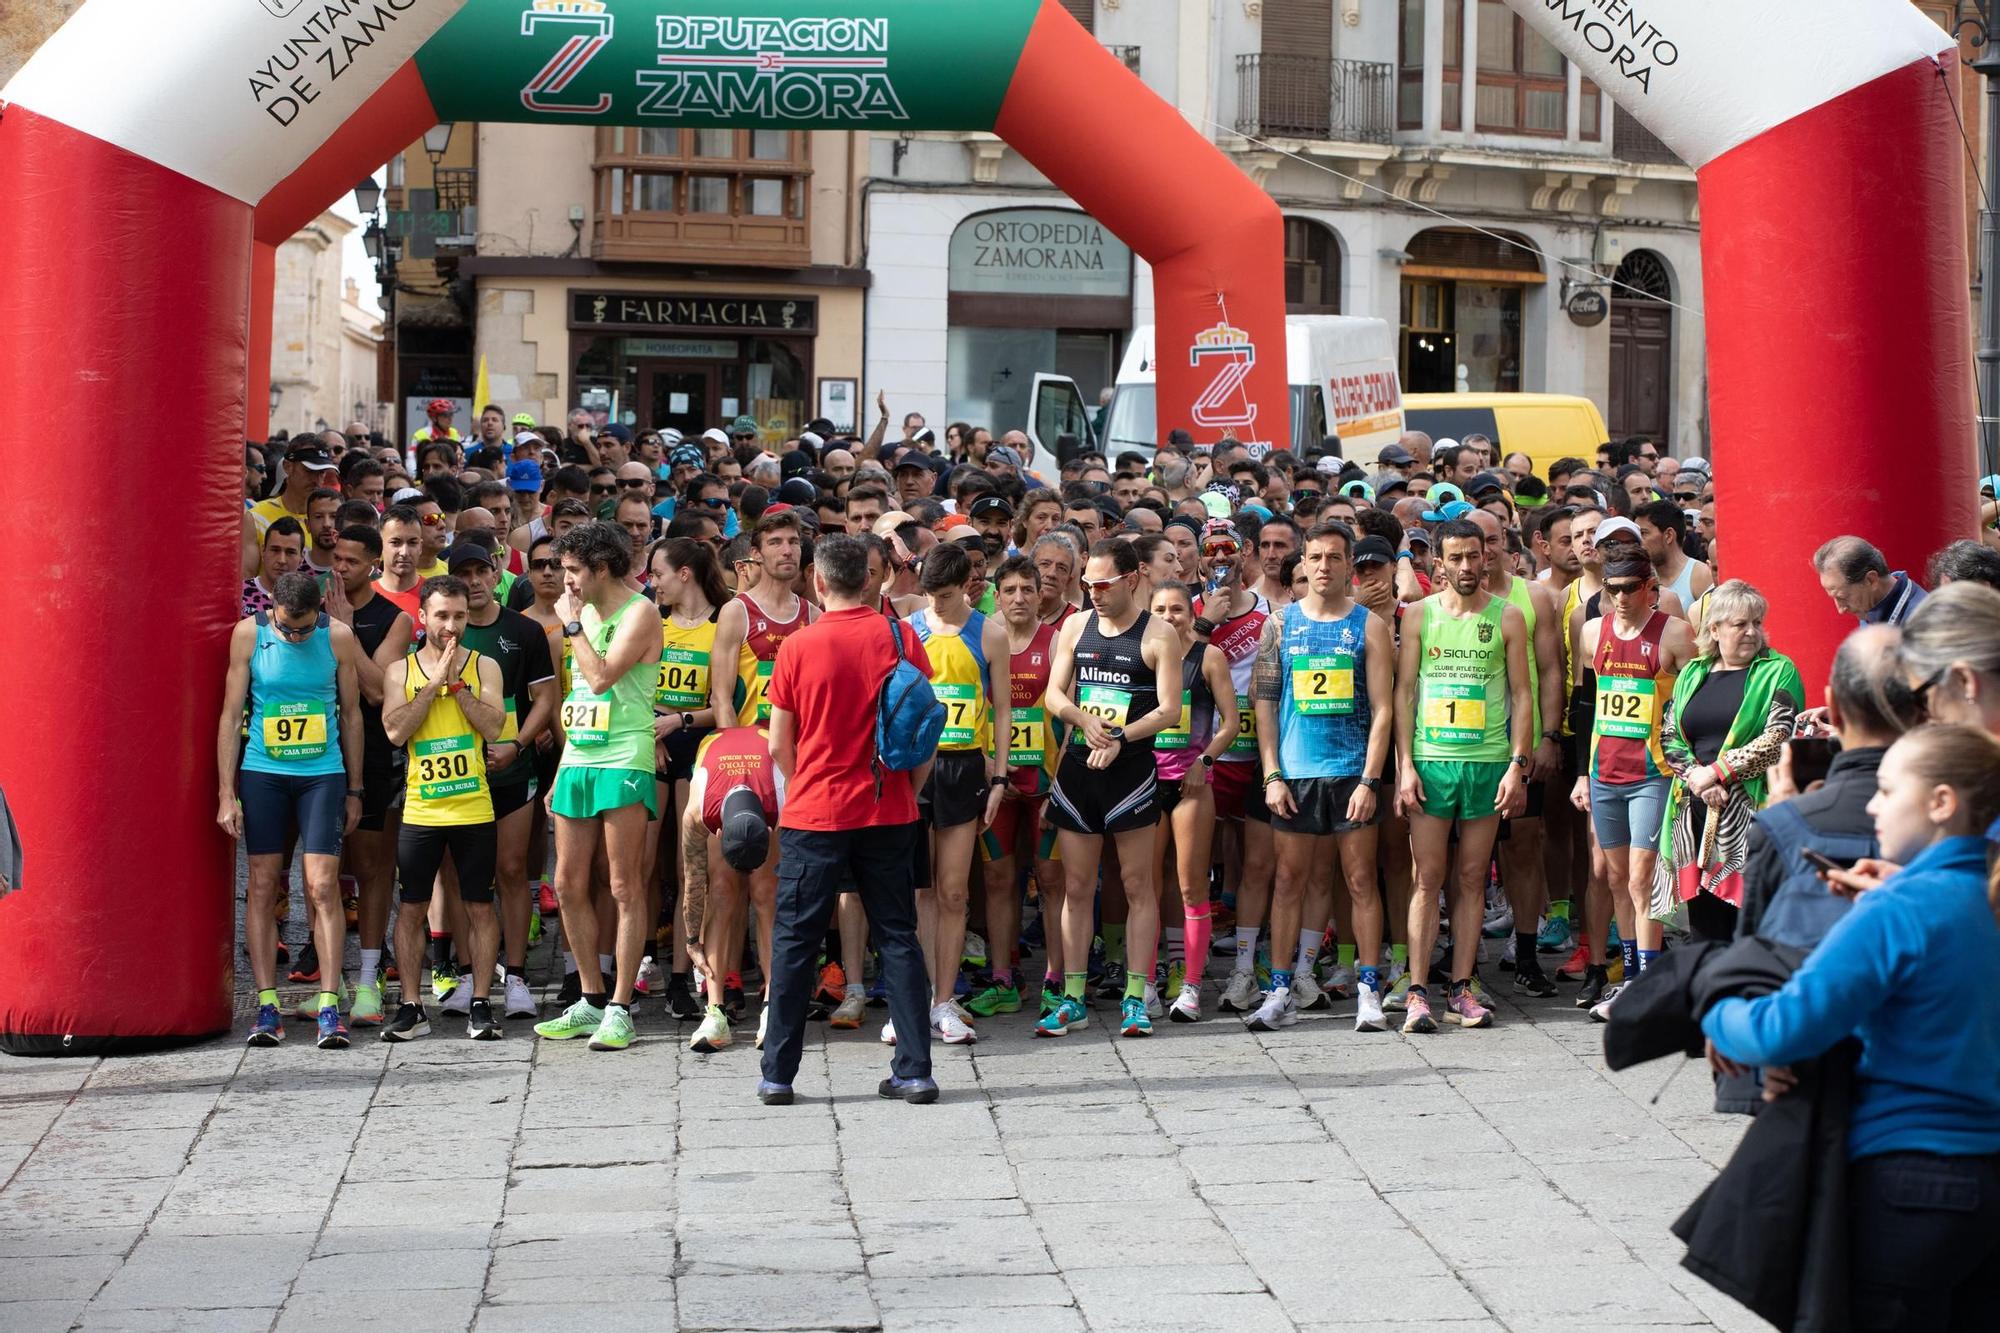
[615,1032]
[579,1020]
[1176,977]
[366,1011]
[1052,998]
[534,927]
[444,979]
[995,1000]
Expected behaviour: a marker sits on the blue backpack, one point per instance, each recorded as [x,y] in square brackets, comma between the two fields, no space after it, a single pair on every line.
[908,717]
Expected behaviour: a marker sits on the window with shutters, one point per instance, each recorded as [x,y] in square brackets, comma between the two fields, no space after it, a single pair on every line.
[1312,269]
[1410,65]
[1523,85]
[723,196]
[1084,12]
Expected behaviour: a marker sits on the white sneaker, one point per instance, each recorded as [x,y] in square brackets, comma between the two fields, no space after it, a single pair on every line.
[964,1014]
[975,948]
[1277,1011]
[948,1027]
[460,1000]
[848,1014]
[1601,1011]
[650,979]
[520,1001]
[1154,1009]
[1507,954]
[713,1034]
[889,1033]
[1499,921]
[1186,1007]
[1239,996]
[1306,993]
[1368,1011]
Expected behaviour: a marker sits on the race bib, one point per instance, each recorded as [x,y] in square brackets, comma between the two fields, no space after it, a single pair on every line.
[1245,744]
[683,680]
[586,720]
[1628,707]
[1454,713]
[763,709]
[1181,733]
[961,715]
[295,732]
[1323,684]
[1027,737]
[1103,702]
[442,767]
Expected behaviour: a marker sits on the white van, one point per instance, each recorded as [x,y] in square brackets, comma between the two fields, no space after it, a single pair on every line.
[1341,369]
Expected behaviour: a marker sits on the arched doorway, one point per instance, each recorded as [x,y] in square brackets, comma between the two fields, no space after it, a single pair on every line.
[1312,268]
[1642,348]
[1461,308]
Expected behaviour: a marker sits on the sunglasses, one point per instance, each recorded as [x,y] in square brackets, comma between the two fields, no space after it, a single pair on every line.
[602,490]
[714,502]
[544,566]
[1623,589]
[432,520]
[1922,692]
[1221,549]
[746,435]
[299,632]
[1099,585]
[635,483]
[1687,497]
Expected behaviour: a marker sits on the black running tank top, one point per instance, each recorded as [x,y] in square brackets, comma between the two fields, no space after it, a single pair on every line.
[1111,673]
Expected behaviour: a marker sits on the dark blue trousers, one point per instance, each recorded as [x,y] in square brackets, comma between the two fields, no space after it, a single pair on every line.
[811,870]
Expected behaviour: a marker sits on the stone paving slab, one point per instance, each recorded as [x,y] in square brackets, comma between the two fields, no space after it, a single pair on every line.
[1309,1179]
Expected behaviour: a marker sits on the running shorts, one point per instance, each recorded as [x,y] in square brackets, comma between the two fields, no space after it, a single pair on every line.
[272,801]
[1322,806]
[1019,824]
[1461,788]
[1117,799]
[511,797]
[1239,791]
[420,850]
[956,792]
[585,793]
[1630,815]
[381,792]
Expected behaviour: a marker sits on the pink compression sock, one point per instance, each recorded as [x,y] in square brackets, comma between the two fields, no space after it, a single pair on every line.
[1200,930]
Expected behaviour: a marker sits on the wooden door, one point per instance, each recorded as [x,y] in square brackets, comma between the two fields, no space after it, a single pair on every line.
[1642,371]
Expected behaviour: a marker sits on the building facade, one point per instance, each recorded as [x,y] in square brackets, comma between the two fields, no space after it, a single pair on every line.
[324,344]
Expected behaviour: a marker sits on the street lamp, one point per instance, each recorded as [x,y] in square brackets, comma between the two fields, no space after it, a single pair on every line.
[436,139]
[371,241]
[367,196]
[277,392]
[1985,41]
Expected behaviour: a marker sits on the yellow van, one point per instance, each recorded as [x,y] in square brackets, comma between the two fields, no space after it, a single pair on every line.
[1544,426]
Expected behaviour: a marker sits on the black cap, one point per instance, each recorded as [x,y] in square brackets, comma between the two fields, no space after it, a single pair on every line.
[795,463]
[312,456]
[462,552]
[797,491]
[1395,455]
[821,427]
[1486,483]
[745,833]
[1373,551]
[915,458]
[990,504]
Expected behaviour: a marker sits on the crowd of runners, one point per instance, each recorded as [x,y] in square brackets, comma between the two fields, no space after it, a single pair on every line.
[1224,734]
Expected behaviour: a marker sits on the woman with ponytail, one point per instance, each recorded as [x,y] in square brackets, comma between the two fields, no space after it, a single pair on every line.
[1910,973]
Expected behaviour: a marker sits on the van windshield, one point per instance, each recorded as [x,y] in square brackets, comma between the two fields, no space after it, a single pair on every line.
[1133,422]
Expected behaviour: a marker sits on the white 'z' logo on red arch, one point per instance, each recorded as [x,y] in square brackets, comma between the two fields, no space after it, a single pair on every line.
[1225,404]
[591,30]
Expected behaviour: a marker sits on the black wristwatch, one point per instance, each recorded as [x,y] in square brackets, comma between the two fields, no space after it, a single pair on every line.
[1553,734]
[687,721]
[1372,784]
[1208,761]
[357,793]
[571,630]
[1115,733]
[1519,761]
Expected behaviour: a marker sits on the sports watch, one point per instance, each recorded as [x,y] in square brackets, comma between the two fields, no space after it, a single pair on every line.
[571,630]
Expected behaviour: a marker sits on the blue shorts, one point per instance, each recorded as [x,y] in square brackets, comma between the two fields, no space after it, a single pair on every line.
[272,802]
[1628,816]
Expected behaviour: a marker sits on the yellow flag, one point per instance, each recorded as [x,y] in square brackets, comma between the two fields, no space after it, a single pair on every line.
[481,394]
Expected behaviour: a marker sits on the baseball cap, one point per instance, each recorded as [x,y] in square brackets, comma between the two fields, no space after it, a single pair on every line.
[524,474]
[1357,490]
[796,462]
[991,504]
[525,420]
[716,435]
[464,551]
[1613,527]
[912,458]
[1417,535]
[1485,484]
[798,491]
[311,456]
[1439,446]
[1396,456]
[617,432]
[1385,482]
[743,425]
[1001,453]
[1696,464]
[744,832]
[821,427]
[812,442]
[1372,551]
[408,493]
[1439,497]
[1450,512]
[1329,465]
[964,532]
[1216,503]
[926,436]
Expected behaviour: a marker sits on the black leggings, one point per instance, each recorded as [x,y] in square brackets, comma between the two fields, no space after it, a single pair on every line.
[420,850]
[1925,1247]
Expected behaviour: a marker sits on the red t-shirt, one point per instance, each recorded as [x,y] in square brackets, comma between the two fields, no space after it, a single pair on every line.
[732,758]
[828,676]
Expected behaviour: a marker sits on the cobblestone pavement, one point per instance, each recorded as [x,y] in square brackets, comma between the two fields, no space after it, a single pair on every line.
[1206,1178]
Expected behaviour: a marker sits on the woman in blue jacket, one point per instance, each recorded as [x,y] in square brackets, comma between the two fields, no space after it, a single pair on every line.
[1911,973]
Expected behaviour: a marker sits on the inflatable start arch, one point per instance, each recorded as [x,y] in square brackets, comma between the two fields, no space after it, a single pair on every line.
[160,152]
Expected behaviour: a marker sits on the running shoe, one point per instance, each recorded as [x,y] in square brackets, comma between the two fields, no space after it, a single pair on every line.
[1110,986]
[458,1001]
[1601,1011]
[1595,979]
[1132,1019]
[713,1034]
[579,1020]
[1052,998]
[1555,935]
[1399,992]
[366,1010]
[1186,1007]
[534,928]
[1176,975]
[444,980]
[649,977]
[307,966]
[519,1001]
[1464,1008]
[732,994]
[570,991]
[1417,1014]
[409,1023]
[1154,1009]
[1339,983]
[832,985]
[1065,1018]
[763,1025]
[480,1024]
[1575,965]
[269,1029]
[681,1001]
[996,1000]
[332,1032]
[878,991]
[1306,995]
[916,1091]
[1477,986]
[350,908]
[1531,980]
[888,1037]
[1263,969]
[1499,921]
[949,1028]
[1239,994]
[284,954]
[1279,1010]
[545,898]
[975,949]
[848,1013]
[308,1010]
[1507,960]
[774,1094]
[614,1031]
[1368,1016]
